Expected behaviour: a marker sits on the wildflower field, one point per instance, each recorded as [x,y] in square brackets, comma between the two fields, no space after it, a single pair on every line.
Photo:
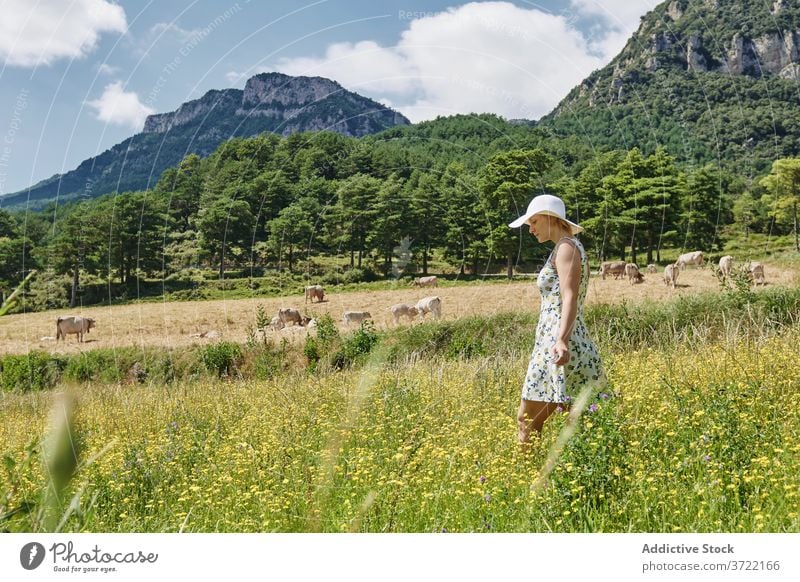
[702,435]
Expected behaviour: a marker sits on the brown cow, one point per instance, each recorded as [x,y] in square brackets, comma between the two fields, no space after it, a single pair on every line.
[633,274]
[616,268]
[315,292]
[73,324]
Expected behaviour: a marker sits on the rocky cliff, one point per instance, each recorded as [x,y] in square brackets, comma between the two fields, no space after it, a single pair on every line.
[711,80]
[270,102]
[291,104]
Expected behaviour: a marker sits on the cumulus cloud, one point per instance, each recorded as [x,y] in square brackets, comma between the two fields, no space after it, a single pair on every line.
[120,107]
[478,57]
[41,32]
[618,20]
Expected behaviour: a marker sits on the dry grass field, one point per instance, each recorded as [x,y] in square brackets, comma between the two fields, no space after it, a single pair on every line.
[178,323]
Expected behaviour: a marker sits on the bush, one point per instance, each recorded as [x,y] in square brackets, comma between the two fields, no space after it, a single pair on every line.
[222,357]
[31,371]
[357,346]
[105,365]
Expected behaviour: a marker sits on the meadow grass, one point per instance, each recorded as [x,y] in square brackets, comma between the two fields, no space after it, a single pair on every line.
[703,436]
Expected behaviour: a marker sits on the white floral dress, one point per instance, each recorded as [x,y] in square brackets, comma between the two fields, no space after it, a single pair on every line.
[544,381]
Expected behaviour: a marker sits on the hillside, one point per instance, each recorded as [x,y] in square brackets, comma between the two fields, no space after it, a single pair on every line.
[712,81]
[270,102]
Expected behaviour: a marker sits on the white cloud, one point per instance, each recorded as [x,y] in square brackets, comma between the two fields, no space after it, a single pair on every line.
[117,106]
[479,57]
[161,29]
[619,14]
[619,19]
[41,32]
[233,77]
[106,69]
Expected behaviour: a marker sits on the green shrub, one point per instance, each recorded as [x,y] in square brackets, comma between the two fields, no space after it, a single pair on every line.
[31,371]
[222,357]
[107,366]
[356,346]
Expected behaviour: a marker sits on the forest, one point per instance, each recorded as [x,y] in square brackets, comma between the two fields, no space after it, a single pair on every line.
[312,202]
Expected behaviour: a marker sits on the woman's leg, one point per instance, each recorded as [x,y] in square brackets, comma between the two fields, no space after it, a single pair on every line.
[531,416]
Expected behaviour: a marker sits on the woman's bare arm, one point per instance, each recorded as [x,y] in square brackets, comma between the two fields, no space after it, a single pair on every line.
[568,267]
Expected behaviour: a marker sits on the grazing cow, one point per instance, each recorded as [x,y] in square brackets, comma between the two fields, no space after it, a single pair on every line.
[430,305]
[671,275]
[403,310]
[349,317]
[633,274]
[288,315]
[431,281]
[315,292]
[651,268]
[756,273]
[73,324]
[276,324]
[725,265]
[616,268]
[693,258]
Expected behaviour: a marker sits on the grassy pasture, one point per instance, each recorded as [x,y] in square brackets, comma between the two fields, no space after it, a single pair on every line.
[175,324]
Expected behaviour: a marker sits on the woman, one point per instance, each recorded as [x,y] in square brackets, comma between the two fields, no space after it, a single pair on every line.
[565,361]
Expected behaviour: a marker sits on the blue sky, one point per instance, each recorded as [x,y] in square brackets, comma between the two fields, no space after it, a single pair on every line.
[78,77]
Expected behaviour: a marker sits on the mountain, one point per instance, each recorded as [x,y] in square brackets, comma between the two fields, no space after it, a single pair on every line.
[711,80]
[269,102]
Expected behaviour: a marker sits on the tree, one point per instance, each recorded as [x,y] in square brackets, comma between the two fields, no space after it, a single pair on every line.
[783,186]
[133,226]
[15,252]
[222,224]
[76,244]
[182,186]
[355,212]
[465,226]
[426,214]
[507,184]
[700,209]
[391,222]
[293,228]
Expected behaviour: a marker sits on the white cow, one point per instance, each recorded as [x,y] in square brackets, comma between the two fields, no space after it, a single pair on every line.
[651,268]
[725,266]
[633,274]
[430,281]
[671,275]
[403,310]
[430,305]
[288,315]
[757,273]
[315,292]
[693,258]
[349,317]
[73,324]
[276,324]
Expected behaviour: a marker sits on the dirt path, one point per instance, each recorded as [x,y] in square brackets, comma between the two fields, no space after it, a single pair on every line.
[173,324]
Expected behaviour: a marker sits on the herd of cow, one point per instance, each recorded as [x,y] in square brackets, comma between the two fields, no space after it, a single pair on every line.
[753,269]
[433,304]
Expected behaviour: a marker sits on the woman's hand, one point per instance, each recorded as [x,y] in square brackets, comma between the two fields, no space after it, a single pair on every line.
[560,353]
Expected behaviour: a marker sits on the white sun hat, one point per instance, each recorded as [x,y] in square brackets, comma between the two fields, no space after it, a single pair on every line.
[546,204]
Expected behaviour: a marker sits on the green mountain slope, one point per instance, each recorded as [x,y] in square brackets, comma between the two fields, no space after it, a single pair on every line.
[712,81]
[270,102]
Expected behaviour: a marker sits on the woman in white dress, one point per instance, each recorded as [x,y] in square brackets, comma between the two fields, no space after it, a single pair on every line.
[565,361]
